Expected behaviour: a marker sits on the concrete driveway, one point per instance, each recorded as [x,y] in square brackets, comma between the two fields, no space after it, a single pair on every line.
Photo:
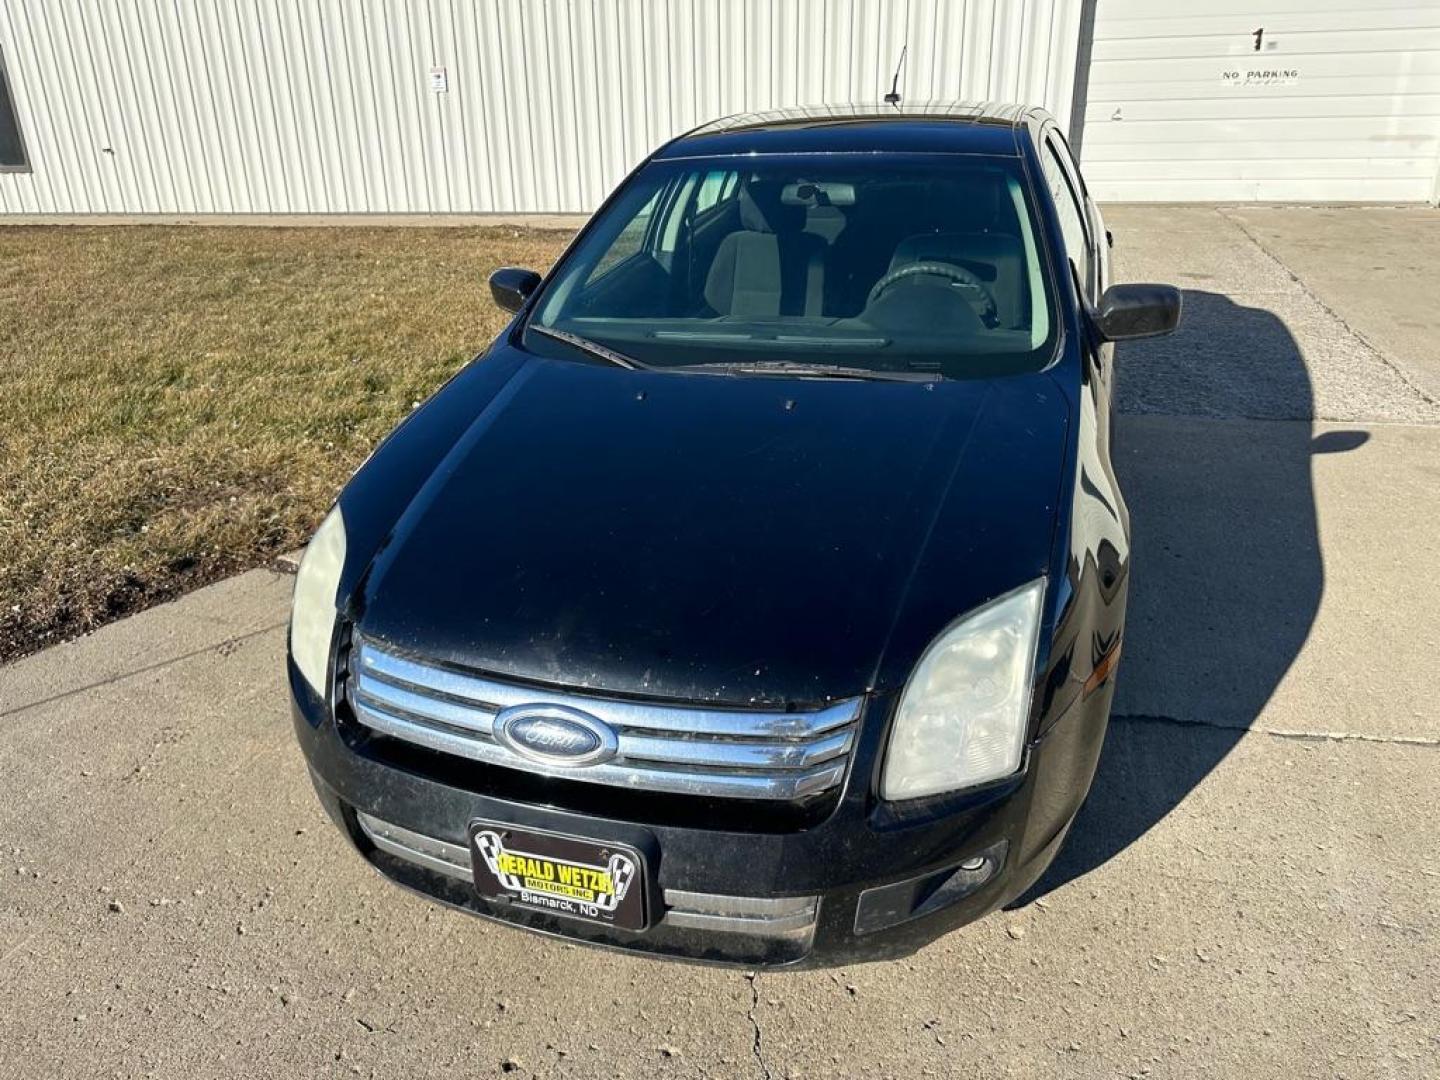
[1253,889]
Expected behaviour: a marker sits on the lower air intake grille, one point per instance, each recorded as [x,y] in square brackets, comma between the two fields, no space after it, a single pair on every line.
[791,918]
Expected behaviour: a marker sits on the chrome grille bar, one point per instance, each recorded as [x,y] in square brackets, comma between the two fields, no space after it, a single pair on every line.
[729,753]
[789,917]
[491,696]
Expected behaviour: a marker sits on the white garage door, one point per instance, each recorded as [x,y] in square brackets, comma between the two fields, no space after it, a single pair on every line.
[1266,99]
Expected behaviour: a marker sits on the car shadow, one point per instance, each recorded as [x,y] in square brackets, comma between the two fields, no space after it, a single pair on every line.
[1213,447]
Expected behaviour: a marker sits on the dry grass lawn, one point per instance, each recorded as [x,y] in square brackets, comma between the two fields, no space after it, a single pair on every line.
[180,403]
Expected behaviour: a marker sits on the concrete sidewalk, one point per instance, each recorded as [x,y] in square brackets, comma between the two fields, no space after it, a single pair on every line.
[1252,889]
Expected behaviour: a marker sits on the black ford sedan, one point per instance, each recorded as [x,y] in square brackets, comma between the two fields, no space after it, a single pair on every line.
[757,596]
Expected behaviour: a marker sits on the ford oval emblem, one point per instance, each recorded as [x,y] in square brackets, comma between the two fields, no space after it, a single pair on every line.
[556,735]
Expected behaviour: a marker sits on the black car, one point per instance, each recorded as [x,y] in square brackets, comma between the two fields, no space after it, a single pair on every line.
[757,596]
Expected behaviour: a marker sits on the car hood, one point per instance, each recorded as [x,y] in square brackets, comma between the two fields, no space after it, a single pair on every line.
[717,538]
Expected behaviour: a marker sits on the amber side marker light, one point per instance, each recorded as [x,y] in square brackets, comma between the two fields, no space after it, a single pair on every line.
[1102,670]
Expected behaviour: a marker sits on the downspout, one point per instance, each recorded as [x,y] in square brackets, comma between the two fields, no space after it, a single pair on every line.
[1080,95]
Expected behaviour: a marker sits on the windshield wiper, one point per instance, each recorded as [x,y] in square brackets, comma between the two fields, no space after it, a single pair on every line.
[594,348]
[807,371]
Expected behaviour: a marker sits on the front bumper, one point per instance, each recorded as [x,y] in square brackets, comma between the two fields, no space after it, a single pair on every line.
[864,883]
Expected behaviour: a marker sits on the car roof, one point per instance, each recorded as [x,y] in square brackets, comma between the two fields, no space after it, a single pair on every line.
[943,127]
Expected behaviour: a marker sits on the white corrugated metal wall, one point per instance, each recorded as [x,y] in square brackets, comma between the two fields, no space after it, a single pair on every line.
[327,106]
[1308,100]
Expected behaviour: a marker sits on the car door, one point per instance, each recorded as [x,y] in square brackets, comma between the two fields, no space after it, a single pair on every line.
[1100,527]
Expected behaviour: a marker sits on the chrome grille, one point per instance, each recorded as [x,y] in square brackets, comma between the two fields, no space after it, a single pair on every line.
[791,918]
[731,753]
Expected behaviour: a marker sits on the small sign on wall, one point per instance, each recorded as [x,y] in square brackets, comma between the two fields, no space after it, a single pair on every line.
[1258,76]
[439,81]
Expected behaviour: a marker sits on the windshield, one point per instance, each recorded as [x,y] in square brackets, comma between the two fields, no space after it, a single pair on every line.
[810,263]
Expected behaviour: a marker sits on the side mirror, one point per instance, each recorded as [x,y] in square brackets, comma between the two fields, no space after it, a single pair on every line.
[511,286]
[1137,311]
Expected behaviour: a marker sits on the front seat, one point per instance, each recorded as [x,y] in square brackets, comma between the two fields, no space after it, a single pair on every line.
[769,266]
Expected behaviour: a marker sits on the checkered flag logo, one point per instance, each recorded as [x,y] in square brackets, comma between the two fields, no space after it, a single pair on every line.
[490,846]
[622,872]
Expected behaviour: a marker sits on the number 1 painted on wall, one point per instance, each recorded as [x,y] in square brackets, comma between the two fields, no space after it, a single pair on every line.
[1258,35]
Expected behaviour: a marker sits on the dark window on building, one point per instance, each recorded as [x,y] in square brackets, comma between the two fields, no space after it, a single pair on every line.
[12,147]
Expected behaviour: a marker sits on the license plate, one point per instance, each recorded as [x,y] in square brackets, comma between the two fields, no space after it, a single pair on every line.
[558,874]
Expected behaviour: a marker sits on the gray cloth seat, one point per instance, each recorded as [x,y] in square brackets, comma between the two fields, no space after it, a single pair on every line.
[997,258]
[769,266]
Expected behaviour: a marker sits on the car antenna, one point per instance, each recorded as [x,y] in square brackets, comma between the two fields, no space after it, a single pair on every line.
[893,97]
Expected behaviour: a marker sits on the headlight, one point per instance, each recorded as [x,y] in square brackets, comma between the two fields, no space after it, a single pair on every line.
[312,614]
[963,714]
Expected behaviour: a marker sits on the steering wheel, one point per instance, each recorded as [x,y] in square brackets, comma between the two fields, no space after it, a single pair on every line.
[958,274]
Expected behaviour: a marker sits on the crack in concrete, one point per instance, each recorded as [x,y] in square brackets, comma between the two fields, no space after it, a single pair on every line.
[757,1047]
[1282,733]
[227,644]
[1310,293]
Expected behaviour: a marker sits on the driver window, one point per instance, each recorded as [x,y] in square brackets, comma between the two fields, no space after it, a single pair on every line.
[1072,217]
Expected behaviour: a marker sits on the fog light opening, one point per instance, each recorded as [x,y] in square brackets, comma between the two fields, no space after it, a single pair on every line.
[889,905]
